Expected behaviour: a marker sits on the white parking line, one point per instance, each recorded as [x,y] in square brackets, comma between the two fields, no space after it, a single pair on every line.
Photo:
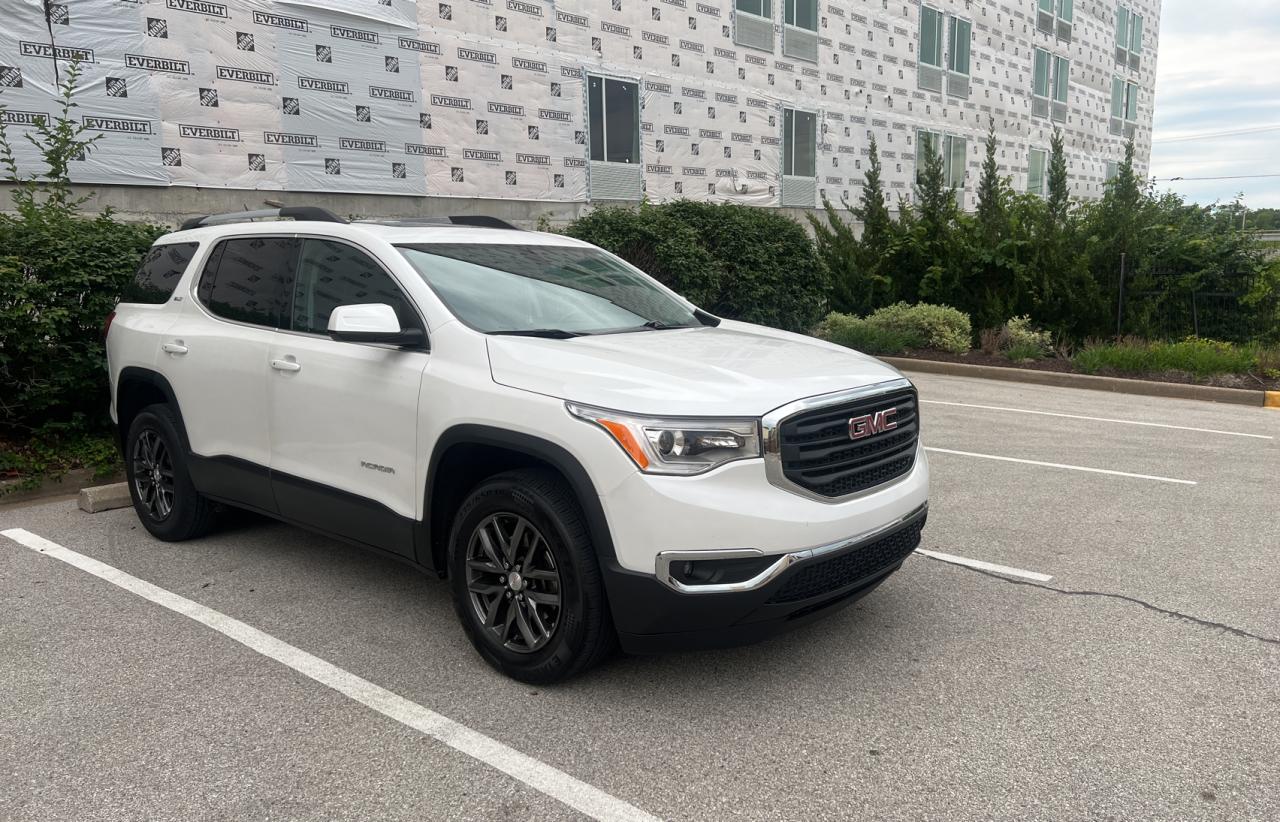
[553,782]
[1099,419]
[986,566]
[1060,465]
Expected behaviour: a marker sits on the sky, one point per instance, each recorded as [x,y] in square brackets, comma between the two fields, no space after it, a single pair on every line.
[1218,71]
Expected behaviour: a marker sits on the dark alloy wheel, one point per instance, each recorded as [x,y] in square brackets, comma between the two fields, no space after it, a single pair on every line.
[513,582]
[164,497]
[526,581]
[153,475]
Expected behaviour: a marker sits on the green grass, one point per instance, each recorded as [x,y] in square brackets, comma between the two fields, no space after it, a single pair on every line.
[1203,358]
[1019,351]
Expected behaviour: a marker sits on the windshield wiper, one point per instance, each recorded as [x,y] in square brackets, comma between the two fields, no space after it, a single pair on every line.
[658,325]
[547,333]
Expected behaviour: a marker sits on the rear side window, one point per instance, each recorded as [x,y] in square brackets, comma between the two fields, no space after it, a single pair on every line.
[248,280]
[159,273]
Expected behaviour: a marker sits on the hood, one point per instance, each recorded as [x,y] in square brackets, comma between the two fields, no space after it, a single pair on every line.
[734,369]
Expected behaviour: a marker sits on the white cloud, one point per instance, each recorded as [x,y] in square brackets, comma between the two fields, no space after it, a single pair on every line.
[1216,73]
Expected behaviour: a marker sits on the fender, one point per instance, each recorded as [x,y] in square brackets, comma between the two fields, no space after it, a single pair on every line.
[157,381]
[536,447]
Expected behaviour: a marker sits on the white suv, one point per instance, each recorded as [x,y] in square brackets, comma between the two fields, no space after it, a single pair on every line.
[589,458]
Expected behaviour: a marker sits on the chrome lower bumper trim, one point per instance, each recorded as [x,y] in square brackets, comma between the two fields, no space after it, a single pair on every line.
[784,561]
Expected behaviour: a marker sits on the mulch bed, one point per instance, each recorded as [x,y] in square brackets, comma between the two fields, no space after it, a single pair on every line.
[976,357]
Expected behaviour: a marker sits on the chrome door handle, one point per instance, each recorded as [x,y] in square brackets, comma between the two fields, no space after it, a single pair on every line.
[285,365]
[174,348]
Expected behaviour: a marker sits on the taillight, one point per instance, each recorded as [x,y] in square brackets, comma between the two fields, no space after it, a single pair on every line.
[106,325]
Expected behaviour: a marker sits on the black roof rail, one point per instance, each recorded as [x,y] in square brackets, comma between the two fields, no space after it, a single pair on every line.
[482,221]
[473,220]
[312,213]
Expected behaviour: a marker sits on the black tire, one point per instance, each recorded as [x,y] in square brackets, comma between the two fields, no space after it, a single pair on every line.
[187,514]
[582,634]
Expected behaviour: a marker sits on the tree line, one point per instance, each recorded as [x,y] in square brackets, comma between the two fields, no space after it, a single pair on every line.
[1055,259]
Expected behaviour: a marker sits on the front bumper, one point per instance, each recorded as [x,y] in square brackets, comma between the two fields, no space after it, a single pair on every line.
[651,616]
[735,507]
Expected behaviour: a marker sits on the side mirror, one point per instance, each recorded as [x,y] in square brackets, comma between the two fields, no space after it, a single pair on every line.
[371,323]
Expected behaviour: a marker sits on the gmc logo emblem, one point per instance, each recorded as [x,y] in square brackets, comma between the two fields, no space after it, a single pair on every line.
[869,424]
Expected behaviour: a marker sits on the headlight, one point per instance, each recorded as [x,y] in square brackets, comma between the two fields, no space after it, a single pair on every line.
[671,445]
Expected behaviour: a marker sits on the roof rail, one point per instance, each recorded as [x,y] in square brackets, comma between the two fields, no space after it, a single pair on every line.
[482,221]
[473,220]
[312,213]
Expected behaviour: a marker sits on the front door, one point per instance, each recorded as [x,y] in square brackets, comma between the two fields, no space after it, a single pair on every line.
[344,415]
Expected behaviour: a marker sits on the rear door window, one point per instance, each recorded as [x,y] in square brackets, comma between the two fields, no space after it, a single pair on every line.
[159,273]
[249,280]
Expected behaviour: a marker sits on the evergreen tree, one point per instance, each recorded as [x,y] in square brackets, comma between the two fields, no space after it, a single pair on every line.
[937,201]
[1059,198]
[993,194]
[994,247]
[941,279]
[877,228]
[837,246]
[859,282]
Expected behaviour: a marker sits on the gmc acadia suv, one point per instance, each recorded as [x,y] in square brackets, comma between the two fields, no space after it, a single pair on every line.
[586,456]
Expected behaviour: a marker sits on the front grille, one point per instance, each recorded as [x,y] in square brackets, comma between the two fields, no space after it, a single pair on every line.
[826,575]
[818,455]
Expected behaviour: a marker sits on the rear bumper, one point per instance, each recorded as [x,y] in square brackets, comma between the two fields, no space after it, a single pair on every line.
[651,617]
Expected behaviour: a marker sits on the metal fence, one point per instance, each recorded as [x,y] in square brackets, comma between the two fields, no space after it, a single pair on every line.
[1172,312]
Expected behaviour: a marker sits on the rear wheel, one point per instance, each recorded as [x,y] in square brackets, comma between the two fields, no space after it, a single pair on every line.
[526,584]
[163,495]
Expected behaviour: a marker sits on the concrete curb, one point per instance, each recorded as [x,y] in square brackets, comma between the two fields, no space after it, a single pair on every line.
[49,488]
[104,497]
[1210,393]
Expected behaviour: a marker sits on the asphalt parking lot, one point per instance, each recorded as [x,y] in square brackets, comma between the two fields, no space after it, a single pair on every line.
[1142,680]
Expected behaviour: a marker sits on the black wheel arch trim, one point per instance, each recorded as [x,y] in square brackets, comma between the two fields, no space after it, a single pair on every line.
[146,376]
[531,446]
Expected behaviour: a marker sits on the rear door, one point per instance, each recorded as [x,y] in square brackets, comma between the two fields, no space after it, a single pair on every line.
[215,357]
[344,415]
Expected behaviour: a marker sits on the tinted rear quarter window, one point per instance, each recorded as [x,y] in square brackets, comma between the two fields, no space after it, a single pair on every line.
[248,279]
[158,276]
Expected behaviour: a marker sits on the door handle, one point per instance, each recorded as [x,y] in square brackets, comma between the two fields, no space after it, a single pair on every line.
[286,365]
[174,348]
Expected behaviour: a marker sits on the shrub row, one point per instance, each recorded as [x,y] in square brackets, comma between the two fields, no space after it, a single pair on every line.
[735,261]
[896,328]
[60,277]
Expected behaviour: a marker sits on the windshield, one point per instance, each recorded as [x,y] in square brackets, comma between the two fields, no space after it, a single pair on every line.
[544,289]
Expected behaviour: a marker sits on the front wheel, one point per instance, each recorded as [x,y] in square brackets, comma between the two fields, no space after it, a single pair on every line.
[525,580]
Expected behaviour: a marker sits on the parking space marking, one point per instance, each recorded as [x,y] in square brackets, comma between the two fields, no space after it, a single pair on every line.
[1061,465]
[551,781]
[985,566]
[1099,419]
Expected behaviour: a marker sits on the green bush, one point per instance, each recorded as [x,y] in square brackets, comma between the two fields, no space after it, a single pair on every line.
[926,326]
[1022,336]
[60,276]
[1203,358]
[860,335]
[735,261]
